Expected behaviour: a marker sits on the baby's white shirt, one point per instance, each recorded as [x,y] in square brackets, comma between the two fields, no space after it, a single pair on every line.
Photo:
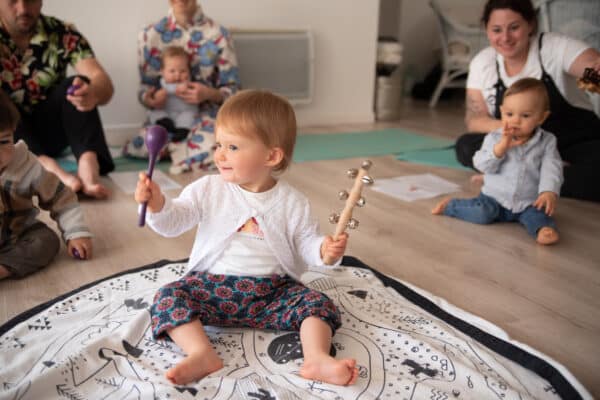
[248,254]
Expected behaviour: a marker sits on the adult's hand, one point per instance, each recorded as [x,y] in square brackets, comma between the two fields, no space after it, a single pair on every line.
[98,92]
[196,93]
[84,97]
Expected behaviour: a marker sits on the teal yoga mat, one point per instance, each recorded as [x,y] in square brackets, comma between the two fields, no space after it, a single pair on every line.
[312,147]
[330,146]
[122,164]
[437,157]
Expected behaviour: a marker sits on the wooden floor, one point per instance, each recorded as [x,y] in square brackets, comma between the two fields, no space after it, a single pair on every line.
[546,297]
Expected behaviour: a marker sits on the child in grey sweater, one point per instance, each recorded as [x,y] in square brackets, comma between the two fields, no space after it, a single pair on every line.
[27,244]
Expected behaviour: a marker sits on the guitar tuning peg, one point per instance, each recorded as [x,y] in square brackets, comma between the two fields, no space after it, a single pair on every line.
[367,180]
[343,195]
[366,165]
[352,173]
[361,202]
[352,224]
[334,218]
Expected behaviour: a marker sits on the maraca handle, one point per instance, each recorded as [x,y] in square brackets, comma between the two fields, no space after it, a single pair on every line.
[142,217]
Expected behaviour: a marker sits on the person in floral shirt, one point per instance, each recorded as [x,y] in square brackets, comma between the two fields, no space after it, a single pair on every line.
[56,111]
[214,77]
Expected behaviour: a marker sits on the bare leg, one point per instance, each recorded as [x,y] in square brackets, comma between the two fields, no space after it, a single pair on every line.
[88,170]
[201,359]
[315,336]
[440,207]
[4,273]
[547,235]
[66,178]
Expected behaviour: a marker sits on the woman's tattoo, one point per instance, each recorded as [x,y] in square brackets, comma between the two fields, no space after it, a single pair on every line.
[473,107]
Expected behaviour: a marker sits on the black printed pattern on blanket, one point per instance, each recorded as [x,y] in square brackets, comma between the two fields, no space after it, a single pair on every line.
[96,344]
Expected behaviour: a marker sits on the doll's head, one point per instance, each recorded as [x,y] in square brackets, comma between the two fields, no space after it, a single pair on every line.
[261,116]
[9,118]
[525,107]
[175,65]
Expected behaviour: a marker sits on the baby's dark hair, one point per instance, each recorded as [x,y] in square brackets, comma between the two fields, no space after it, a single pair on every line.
[530,84]
[523,7]
[264,115]
[9,115]
[173,51]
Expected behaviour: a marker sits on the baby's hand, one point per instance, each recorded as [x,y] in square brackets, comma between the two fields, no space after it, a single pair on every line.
[155,98]
[547,201]
[334,249]
[80,248]
[181,88]
[147,191]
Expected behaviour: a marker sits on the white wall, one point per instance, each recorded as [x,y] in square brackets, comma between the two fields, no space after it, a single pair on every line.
[345,34]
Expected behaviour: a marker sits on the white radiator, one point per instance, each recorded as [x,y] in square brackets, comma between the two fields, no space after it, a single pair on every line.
[280,61]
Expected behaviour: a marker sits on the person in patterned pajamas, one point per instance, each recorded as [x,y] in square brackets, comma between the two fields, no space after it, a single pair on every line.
[255,237]
[214,77]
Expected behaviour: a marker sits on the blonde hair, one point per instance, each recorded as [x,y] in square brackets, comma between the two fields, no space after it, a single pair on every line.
[264,115]
[530,84]
[173,52]
[9,115]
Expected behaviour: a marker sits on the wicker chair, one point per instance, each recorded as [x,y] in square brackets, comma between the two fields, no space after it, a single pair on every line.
[460,43]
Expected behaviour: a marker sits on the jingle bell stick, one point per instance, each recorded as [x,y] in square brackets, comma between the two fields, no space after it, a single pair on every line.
[351,201]
[345,220]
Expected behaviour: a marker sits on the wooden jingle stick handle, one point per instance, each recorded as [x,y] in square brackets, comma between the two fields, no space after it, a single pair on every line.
[346,214]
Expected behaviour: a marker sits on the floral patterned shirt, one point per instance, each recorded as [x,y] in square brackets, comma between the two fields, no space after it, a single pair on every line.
[212,57]
[28,75]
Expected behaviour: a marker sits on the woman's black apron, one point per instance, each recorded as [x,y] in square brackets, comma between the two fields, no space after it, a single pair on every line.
[578,138]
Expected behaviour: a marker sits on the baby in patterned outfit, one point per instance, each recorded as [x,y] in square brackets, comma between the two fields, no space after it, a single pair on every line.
[255,237]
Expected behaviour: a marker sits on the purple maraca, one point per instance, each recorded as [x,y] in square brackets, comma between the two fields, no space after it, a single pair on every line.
[71,90]
[156,139]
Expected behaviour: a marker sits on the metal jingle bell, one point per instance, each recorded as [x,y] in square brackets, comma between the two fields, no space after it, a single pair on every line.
[352,173]
[366,165]
[343,195]
[361,202]
[352,224]
[334,218]
[367,180]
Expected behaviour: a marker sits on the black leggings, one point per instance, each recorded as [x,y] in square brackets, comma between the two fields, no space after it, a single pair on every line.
[582,174]
[56,124]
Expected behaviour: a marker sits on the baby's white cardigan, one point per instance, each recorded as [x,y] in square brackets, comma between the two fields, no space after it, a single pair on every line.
[219,208]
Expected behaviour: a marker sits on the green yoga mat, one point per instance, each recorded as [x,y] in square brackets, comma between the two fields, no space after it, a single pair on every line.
[122,164]
[436,157]
[314,147]
[362,144]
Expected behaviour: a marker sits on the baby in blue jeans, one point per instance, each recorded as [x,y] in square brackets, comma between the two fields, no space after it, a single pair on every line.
[522,169]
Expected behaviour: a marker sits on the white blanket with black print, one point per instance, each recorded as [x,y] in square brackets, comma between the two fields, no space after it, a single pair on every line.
[95,343]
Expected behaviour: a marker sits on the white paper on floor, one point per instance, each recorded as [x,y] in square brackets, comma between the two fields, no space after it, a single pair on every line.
[127,181]
[415,187]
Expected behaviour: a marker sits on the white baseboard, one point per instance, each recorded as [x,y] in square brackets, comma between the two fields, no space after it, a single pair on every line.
[117,134]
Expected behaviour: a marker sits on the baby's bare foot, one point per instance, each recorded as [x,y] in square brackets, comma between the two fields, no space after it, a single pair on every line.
[4,273]
[477,179]
[96,190]
[194,367]
[330,370]
[440,207]
[547,235]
